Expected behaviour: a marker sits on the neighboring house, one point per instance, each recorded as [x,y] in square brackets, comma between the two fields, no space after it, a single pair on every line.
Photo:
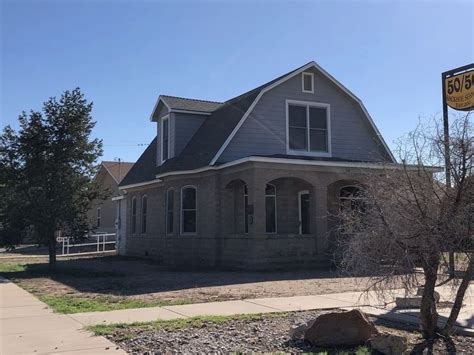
[249,183]
[103,214]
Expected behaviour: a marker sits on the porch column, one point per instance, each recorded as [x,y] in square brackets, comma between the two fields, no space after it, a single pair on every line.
[121,231]
[321,214]
[256,189]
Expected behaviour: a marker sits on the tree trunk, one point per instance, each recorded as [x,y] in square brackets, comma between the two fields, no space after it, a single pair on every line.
[52,253]
[453,316]
[428,313]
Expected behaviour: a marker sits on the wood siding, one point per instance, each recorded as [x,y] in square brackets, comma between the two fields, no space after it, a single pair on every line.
[264,131]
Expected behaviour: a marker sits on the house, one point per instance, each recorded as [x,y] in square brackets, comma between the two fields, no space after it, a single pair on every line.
[249,183]
[102,214]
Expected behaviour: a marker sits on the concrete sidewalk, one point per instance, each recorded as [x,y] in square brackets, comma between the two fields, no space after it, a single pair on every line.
[28,326]
[368,302]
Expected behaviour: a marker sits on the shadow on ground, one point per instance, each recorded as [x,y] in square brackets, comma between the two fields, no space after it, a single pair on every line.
[126,276]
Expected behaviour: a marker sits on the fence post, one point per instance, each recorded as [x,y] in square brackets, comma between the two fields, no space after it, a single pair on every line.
[62,242]
[67,246]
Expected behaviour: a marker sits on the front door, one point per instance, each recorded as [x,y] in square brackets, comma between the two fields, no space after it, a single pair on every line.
[303,203]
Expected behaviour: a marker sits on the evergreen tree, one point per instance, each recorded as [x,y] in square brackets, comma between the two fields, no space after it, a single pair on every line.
[47,172]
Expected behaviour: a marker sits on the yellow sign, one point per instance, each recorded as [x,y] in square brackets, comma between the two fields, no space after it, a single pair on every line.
[459,90]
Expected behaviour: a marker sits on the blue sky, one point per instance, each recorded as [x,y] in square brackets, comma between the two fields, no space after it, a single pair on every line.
[123,54]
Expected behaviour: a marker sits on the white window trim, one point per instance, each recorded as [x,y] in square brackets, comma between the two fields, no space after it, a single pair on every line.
[328,118]
[301,193]
[163,119]
[312,82]
[276,212]
[181,210]
[144,197]
[166,210]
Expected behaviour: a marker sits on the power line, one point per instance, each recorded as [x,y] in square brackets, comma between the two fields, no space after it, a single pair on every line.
[127,145]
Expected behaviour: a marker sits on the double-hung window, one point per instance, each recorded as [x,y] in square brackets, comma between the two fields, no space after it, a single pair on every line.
[169,210]
[188,210]
[165,138]
[270,209]
[144,214]
[308,128]
[246,209]
[134,215]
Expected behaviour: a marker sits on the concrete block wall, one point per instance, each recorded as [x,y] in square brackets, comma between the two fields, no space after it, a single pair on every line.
[219,241]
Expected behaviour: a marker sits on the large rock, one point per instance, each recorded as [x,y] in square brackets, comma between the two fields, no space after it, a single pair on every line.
[340,329]
[297,332]
[389,344]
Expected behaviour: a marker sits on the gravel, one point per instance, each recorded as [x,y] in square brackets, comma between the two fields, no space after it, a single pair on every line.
[268,334]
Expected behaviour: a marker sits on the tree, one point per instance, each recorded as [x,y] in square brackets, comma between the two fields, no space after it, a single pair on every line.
[47,170]
[408,219]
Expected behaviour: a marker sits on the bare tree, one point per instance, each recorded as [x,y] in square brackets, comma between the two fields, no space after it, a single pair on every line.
[406,220]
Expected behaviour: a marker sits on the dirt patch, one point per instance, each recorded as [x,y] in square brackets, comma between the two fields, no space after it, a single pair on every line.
[144,280]
[268,334]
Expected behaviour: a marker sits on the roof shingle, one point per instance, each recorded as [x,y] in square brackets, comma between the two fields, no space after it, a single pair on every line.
[185,104]
[118,170]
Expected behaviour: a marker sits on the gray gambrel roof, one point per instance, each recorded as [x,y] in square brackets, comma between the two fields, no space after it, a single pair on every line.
[223,120]
[184,104]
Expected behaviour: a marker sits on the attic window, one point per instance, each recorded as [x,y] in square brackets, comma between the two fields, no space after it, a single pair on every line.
[308,83]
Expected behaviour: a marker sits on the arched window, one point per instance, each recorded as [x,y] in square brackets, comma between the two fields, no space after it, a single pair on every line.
[270,209]
[144,212]
[188,210]
[246,209]
[169,211]
[352,198]
[134,215]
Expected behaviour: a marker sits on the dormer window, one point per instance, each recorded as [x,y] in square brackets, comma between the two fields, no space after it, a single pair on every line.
[308,83]
[165,139]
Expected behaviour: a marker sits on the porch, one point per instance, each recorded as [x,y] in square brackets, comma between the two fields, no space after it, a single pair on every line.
[276,218]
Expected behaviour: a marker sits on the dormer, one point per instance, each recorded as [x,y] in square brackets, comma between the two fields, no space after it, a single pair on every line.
[177,120]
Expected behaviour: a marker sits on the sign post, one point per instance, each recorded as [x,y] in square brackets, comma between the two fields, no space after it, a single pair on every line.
[458,93]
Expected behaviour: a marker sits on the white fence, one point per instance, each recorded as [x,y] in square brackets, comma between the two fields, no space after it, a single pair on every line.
[99,240]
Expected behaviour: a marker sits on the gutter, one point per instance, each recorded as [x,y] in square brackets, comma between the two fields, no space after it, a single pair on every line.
[336,164]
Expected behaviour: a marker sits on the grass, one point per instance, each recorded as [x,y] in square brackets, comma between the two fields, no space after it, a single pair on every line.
[76,304]
[20,270]
[174,324]
[72,304]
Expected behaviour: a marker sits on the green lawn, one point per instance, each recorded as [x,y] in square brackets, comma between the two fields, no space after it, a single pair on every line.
[72,304]
[21,272]
[170,325]
[28,270]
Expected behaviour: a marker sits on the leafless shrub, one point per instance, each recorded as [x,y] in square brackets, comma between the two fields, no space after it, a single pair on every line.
[407,219]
